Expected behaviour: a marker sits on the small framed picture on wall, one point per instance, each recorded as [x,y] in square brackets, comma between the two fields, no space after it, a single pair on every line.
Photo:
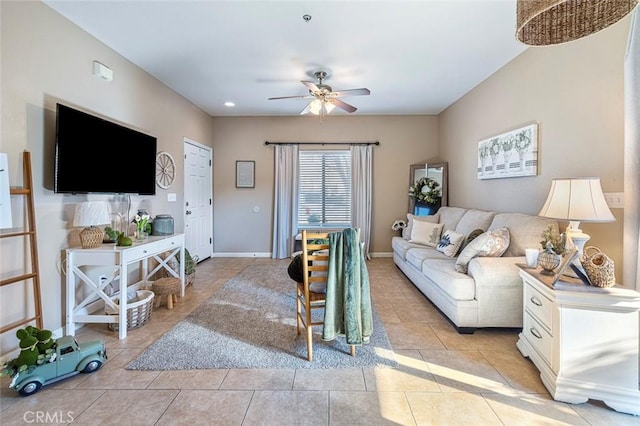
[245,174]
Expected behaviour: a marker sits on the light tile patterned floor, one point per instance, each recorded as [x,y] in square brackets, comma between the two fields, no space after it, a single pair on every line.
[444,378]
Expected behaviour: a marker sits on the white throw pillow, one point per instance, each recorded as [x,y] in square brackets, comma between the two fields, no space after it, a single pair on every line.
[450,243]
[493,244]
[406,232]
[426,233]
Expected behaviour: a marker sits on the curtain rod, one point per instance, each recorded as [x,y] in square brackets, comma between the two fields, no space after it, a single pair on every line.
[322,143]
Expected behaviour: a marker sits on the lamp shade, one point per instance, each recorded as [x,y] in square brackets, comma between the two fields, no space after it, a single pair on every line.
[91,213]
[548,22]
[577,199]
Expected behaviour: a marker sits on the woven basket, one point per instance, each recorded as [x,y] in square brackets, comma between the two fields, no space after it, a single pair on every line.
[138,310]
[190,268]
[599,267]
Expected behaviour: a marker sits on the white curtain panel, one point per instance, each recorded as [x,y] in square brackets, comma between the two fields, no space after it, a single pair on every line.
[361,182]
[285,202]
[631,241]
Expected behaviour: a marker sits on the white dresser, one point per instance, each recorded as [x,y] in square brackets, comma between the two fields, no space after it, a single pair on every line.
[584,340]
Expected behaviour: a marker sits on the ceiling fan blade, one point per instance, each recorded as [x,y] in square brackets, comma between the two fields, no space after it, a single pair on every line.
[311,86]
[292,97]
[351,92]
[306,109]
[342,105]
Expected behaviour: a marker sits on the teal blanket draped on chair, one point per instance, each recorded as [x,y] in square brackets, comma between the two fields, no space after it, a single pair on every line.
[348,299]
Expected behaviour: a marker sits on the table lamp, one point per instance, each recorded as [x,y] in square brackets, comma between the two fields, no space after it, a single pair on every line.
[91,214]
[577,200]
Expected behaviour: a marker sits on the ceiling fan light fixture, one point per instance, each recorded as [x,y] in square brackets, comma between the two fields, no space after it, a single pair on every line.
[549,22]
[328,106]
[315,107]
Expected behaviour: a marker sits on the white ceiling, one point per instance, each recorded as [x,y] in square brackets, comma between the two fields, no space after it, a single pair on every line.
[416,57]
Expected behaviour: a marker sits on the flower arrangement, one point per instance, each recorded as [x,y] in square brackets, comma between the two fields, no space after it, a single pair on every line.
[398,225]
[431,196]
[141,222]
[495,148]
[551,237]
[522,141]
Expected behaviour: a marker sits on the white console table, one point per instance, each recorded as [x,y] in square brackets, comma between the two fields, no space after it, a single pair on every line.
[583,339]
[121,258]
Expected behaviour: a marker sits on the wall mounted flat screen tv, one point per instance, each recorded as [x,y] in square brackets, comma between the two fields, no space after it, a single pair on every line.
[94,155]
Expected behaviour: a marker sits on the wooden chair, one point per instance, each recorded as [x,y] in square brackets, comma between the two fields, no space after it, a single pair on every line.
[310,294]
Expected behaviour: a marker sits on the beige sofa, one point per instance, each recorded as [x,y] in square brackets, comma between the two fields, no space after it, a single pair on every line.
[490,293]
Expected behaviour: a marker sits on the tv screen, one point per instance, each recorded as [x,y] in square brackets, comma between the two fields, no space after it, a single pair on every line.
[94,155]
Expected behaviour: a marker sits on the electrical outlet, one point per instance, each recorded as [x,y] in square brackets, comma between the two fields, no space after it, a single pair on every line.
[615,200]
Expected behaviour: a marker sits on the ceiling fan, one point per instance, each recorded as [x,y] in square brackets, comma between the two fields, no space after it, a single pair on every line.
[324,98]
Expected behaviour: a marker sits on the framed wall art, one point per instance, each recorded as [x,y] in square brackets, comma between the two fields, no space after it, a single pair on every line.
[510,154]
[245,174]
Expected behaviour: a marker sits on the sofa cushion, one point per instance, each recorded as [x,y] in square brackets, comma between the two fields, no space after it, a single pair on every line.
[491,243]
[525,230]
[426,233]
[474,219]
[450,216]
[401,246]
[406,232]
[443,273]
[450,243]
[416,256]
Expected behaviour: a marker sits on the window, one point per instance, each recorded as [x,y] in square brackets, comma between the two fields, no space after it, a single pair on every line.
[324,191]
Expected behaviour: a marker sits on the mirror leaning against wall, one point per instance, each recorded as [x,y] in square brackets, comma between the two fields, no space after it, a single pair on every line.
[437,172]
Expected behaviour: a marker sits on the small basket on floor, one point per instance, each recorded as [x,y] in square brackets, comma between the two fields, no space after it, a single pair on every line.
[138,310]
[170,287]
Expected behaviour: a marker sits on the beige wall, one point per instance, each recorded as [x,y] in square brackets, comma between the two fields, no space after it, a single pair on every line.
[237,229]
[575,92]
[47,59]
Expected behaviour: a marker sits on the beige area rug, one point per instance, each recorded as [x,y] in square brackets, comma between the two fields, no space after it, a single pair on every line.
[250,323]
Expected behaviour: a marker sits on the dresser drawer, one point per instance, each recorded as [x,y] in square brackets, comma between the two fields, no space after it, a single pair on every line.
[150,248]
[538,305]
[538,337]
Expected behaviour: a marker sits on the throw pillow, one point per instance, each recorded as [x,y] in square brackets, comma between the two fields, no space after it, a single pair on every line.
[426,233]
[472,236]
[450,243]
[493,243]
[406,232]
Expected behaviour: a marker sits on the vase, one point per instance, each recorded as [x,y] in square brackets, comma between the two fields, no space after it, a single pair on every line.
[548,261]
[141,234]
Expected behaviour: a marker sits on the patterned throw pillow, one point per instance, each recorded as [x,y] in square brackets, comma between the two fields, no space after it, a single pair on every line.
[493,244]
[450,243]
[426,233]
[406,232]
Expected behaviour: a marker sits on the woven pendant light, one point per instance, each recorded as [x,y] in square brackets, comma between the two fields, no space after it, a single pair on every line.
[547,22]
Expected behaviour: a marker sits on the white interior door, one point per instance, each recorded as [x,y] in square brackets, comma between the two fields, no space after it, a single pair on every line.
[198,199]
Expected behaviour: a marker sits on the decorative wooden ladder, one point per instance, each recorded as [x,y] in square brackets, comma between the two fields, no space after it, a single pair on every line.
[29,232]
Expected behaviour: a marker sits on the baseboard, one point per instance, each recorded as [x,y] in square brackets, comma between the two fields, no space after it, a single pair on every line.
[241,255]
[381,254]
